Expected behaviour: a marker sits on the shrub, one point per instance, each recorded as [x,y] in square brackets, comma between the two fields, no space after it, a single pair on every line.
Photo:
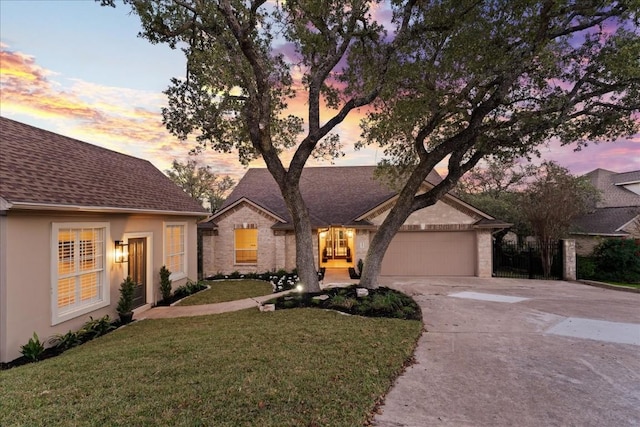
[127,289]
[63,342]
[381,302]
[586,267]
[165,283]
[95,328]
[618,260]
[360,266]
[189,288]
[33,349]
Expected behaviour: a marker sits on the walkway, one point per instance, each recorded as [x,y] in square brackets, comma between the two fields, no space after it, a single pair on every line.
[333,277]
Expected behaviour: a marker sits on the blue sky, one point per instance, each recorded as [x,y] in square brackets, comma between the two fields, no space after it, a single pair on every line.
[78,69]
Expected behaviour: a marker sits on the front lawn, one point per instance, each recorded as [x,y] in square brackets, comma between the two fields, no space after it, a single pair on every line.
[627,285]
[229,290]
[298,367]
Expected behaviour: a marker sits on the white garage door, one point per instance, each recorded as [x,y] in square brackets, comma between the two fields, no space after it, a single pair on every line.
[431,254]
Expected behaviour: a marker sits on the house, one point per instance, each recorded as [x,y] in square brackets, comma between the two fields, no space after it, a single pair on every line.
[616,215]
[66,208]
[252,231]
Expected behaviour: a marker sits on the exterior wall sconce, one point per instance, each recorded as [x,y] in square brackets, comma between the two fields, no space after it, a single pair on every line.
[122,251]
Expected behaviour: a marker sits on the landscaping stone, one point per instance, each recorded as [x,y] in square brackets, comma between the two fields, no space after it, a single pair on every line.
[267,307]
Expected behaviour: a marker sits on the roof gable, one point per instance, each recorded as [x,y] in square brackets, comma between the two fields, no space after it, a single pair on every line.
[335,195]
[614,195]
[40,168]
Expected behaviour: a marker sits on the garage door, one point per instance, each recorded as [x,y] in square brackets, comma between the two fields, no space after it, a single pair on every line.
[431,254]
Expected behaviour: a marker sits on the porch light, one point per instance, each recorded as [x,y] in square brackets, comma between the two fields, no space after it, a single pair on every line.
[122,251]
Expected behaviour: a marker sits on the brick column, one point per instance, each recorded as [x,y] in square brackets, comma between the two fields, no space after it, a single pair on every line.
[484,253]
[569,259]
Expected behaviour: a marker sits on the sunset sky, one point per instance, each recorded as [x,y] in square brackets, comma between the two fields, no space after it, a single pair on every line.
[78,69]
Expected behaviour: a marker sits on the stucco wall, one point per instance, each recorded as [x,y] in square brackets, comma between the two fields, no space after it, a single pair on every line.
[26,303]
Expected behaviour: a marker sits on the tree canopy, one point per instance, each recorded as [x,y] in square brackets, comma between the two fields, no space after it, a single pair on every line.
[200,182]
[551,203]
[443,80]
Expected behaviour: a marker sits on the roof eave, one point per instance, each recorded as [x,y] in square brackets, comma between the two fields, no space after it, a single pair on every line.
[97,209]
[581,233]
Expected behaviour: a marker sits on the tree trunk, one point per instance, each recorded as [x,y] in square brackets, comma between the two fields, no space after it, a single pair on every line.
[305,262]
[389,227]
[546,255]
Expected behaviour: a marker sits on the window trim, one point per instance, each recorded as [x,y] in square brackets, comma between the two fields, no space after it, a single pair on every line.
[105,301]
[176,275]
[235,247]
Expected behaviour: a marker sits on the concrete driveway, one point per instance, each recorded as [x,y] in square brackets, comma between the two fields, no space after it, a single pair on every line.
[503,352]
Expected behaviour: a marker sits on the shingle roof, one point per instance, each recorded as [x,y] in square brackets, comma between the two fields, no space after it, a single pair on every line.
[614,196]
[627,177]
[617,206]
[40,168]
[335,195]
[605,220]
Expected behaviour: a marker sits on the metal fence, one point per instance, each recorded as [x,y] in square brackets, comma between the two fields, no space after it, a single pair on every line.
[524,261]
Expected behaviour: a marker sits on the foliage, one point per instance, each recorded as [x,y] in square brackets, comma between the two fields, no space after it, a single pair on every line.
[219,191]
[245,368]
[450,79]
[165,283]
[92,329]
[127,290]
[200,182]
[360,266]
[585,267]
[63,342]
[552,202]
[189,288]
[380,302]
[618,260]
[280,280]
[229,290]
[494,188]
[33,349]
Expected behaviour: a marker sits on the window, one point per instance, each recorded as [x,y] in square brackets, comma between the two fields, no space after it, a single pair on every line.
[246,245]
[174,249]
[78,269]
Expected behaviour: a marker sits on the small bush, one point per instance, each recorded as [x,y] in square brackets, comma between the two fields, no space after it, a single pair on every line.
[189,288]
[586,267]
[64,342]
[618,260]
[33,349]
[165,283]
[381,302]
[360,266]
[92,329]
[127,290]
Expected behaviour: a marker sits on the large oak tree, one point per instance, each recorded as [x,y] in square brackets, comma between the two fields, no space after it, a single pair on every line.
[452,80]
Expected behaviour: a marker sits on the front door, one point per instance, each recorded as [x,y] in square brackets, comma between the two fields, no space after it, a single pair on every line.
[336,245]
[138,269]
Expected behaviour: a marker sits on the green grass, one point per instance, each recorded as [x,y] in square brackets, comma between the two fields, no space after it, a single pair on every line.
[628,285]
[229,290]
[299,367]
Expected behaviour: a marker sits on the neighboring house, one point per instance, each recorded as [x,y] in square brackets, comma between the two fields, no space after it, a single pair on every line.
[252,231]
[616,215]
[63,205]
